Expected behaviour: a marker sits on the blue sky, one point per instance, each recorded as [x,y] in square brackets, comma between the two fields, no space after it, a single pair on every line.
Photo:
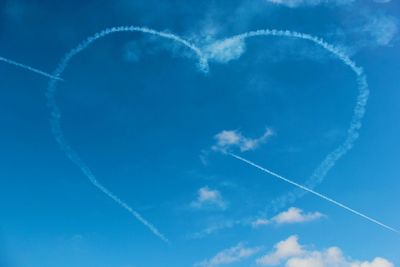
[154,128]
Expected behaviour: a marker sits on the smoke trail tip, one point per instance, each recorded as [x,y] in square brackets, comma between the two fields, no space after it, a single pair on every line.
[203,65]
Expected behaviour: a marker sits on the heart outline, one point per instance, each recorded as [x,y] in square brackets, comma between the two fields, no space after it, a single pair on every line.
[319,172]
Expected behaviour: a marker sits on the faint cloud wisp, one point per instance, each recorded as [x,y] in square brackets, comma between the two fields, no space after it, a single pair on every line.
[209,198]
[301,3]
[229,256]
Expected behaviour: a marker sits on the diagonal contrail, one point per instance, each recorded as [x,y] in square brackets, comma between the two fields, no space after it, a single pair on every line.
[20,65]
[314,192]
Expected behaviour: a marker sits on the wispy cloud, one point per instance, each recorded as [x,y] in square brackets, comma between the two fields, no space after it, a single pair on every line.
[382,1]
[381,28]
[228,256]
[300,3]
[370,29]
[260,222]
[291,253]
[132,51]
[228,139]
[209,198]
[214,228]
[291,216]
[225,50]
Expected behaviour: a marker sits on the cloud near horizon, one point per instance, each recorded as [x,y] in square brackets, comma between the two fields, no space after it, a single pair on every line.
[291,253]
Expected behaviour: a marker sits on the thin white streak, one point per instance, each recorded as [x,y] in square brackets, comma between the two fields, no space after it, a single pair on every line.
[20,65]
[358,113]
[314,192]
[56,114]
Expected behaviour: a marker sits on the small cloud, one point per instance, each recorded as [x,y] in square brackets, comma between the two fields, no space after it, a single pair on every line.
[223,51]
[291,253]
[208,198]
[228,256]
[295,215]
[229,139]
[382,1]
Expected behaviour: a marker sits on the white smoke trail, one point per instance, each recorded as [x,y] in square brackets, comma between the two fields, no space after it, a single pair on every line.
[55,111]
[359,110]
[314,192]
[20,65]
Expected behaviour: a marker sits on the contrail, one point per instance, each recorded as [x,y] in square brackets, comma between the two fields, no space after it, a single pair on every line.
[20,65]
[56,113]
[314,192]
[358,112]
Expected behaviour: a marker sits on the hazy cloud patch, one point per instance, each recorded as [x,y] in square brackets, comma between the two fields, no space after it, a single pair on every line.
[229,256]
[209,198]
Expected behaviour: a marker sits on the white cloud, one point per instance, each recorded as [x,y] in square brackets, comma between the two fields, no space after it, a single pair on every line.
[208,198]
[283,250]
[382,1]
[331,257]
[229,139]
[295,215]
[383,29]
[377,262]
[223,51]
[291,253]
[299,3]
[230,255]
[291,216]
